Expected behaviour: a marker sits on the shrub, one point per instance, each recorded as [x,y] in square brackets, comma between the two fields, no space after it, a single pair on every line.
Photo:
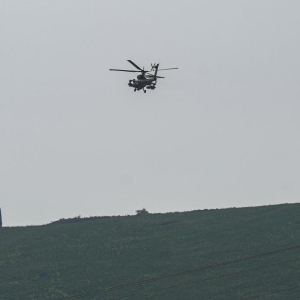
[141,212]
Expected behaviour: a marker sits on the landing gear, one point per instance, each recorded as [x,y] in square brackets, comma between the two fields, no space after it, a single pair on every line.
[145,91]
[135,90]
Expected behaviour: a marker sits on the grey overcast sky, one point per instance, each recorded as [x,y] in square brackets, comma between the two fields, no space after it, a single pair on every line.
[222,131]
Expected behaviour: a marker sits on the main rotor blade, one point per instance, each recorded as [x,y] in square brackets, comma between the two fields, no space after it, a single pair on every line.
[167,69]
[124,70]
[134,65]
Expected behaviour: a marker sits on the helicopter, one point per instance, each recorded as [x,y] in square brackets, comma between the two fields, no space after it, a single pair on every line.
[145,80]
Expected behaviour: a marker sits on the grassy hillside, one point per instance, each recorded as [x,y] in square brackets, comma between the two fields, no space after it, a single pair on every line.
[79,256]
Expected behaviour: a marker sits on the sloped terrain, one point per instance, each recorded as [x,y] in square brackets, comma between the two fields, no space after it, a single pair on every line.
[78,256]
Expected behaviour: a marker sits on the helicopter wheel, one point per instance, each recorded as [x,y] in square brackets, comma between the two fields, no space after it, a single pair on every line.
[135,90]
[145,91]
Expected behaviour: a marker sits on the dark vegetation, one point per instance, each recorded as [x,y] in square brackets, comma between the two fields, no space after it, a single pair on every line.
[141,212]
[81,255]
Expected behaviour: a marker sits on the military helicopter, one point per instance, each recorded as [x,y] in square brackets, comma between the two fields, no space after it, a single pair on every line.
[145,80]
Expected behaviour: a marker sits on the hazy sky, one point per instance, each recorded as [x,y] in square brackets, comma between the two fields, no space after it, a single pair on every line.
[222,131]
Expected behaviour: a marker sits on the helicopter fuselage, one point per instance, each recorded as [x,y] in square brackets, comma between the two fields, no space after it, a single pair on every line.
[142,81]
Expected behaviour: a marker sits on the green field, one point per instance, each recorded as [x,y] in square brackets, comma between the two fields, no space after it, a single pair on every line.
[77,256]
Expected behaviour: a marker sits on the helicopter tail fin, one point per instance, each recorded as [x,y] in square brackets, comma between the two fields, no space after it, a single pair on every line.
[156,69]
